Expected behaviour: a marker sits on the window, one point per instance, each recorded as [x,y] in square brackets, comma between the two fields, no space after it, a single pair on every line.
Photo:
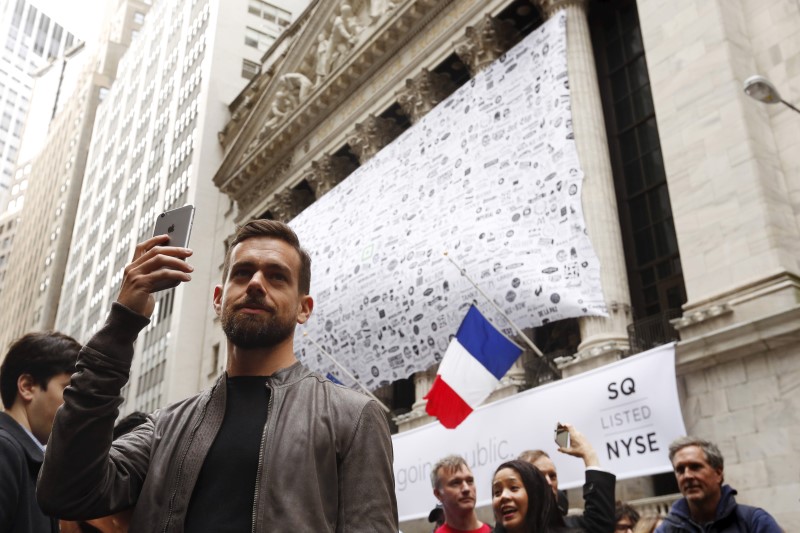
[269,12]
[30,20]
[41,34]
[68,41]
[250,69]
[138,17]
[55,41]
[651,247]
[18,9]
[257,39]
[5,122]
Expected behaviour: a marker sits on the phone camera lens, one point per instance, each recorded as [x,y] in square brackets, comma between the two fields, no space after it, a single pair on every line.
[163,215]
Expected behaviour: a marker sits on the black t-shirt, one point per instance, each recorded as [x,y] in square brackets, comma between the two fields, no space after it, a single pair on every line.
[222,500]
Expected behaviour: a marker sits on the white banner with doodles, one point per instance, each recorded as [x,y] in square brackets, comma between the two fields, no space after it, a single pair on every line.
[491,176]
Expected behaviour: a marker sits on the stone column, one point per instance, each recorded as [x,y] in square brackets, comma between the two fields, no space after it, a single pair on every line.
[603,340]
[372,135]
[288,203]
[423,381]
[423,92]
[485,42]
[327,172]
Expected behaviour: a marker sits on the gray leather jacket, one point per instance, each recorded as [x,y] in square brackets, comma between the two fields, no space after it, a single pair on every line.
[326,463]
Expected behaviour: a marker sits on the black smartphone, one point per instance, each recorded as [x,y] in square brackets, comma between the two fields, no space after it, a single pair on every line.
[562,436]
[176,223]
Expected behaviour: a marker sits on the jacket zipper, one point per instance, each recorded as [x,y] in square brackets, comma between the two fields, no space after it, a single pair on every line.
[261,457]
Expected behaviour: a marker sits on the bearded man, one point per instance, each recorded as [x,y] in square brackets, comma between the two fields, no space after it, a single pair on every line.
[271,446]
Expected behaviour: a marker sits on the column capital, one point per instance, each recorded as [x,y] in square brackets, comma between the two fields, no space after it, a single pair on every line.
[371,135]
[549,7]
[288,203]
[326,172]
[422,92]
[485,42]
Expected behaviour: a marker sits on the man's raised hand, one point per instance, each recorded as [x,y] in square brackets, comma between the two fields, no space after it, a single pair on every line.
[579,446]
[154,267]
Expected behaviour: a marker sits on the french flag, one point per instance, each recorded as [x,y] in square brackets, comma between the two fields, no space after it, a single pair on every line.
[477,358]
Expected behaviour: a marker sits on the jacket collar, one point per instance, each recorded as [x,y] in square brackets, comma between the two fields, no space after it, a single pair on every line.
[281,378]
[10,425]
[726,505]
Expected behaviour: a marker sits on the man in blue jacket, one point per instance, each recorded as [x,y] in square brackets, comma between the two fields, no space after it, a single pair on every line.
[707,505]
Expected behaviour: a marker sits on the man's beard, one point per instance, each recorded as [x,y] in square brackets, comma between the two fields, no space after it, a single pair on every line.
[250,331]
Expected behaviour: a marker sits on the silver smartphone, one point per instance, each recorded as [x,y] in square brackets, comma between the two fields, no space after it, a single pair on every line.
[562,436]
[177,224]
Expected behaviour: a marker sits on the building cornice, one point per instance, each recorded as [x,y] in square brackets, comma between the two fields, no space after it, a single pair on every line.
[261,152]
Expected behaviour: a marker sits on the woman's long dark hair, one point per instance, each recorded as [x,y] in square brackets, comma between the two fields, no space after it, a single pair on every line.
[543,514]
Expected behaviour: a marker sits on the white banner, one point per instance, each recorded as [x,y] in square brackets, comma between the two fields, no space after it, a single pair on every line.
[628,410]
[491,175]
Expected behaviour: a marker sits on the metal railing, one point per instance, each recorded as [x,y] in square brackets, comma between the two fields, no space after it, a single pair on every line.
[653,331]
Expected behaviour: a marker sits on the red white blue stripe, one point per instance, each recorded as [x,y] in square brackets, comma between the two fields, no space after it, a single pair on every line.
[477,358]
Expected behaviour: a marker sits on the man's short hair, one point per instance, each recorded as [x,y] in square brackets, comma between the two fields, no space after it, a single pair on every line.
[276,230]
[451,463]
[622,509]
[532,455]
[42,355]
[713,455]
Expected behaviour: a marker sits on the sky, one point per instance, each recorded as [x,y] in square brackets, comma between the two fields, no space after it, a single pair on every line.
[81,17]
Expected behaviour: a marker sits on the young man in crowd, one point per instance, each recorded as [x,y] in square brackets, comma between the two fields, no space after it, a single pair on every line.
[33,375]
[454,486]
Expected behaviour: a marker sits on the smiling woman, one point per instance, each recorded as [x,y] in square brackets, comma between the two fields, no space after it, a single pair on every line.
[523,501]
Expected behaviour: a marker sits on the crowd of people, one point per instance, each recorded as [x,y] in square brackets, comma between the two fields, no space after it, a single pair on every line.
[526,499]
[271,446]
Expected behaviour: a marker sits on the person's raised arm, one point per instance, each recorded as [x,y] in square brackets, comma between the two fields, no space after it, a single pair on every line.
[598,491]
[579,446]
[82,476]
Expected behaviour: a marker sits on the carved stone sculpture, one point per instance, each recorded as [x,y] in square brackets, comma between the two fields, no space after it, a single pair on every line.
[423,92]
[378,8]
[323,59]
[344,34]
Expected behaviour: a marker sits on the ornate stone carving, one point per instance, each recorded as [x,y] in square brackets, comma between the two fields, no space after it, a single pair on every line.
[322,64]
[379,8]
[344,35]
[293,88]
[327,172]
[372,135]
[423,92]
[288,203]
[485,42]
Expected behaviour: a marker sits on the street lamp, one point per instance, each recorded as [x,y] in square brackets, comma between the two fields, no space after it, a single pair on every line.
[760,88]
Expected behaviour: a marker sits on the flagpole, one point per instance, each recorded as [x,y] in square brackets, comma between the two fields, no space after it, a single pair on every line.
[525,338]
[343,369]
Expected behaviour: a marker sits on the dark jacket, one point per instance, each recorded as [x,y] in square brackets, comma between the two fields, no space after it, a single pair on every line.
[731,518]
[326,463]
[598,501]
[20,461]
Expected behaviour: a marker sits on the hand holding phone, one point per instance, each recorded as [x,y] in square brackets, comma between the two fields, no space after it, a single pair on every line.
[177,225]
[562,437]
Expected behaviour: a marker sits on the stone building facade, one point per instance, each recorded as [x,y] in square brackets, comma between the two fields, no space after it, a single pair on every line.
[690,194]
